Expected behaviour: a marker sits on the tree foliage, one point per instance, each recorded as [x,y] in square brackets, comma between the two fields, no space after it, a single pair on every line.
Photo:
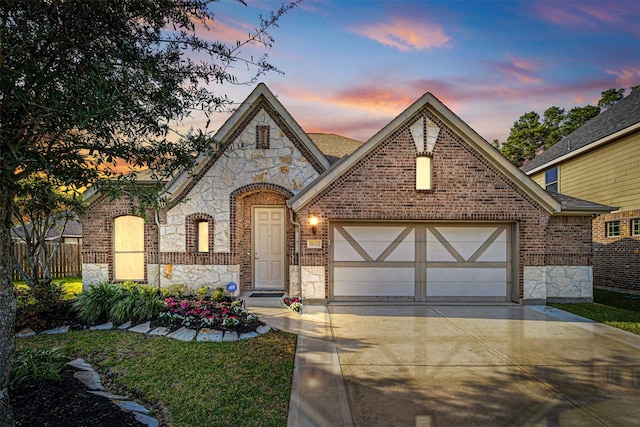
[530,132]
[86,86]
[39,208]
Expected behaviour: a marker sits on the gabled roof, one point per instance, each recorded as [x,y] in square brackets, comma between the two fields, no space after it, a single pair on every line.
[619,120]
[470,136]
[183,180]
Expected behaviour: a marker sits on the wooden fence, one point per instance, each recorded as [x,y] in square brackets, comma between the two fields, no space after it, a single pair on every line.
[66,263]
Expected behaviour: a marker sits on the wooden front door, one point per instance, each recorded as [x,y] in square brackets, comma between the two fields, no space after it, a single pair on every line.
[269,247]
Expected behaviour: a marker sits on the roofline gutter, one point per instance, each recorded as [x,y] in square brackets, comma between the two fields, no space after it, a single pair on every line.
[594,145]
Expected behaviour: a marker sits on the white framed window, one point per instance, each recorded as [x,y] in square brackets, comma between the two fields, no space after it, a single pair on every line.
[635,227]
[551,179]
[613,229]
[202,236]
[424,173]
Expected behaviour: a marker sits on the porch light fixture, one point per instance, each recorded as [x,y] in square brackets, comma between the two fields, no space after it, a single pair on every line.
[313,222]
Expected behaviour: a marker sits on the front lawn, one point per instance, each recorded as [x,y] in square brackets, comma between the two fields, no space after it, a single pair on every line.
[615,309]
[228,383]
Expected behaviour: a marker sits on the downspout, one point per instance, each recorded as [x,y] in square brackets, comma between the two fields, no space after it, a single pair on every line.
[156,217]
[299,244]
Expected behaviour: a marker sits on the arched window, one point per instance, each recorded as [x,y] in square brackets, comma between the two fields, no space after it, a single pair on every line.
[128,248]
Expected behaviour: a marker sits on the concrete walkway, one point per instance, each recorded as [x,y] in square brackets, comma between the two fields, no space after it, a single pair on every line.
[318,396]
[457,365]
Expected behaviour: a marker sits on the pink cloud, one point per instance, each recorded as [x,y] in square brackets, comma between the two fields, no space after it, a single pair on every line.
[523,70]
[627,76]
[228,33]
[589,14]
[405,34]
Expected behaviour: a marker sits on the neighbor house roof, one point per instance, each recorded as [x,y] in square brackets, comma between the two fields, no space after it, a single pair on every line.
[72,229]
[573,204]
[613,123]
[470,136]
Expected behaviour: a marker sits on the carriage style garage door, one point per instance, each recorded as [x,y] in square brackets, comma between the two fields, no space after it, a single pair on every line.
[420,261]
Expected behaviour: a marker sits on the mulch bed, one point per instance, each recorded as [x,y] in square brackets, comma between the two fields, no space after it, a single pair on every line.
[48,403]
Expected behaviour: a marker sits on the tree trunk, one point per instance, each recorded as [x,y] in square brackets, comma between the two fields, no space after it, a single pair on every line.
[7,303]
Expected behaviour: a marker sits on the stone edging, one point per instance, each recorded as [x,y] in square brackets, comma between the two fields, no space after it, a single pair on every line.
[90,378]
[182,334]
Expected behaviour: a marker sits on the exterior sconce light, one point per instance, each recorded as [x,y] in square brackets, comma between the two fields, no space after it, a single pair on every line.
[313,222]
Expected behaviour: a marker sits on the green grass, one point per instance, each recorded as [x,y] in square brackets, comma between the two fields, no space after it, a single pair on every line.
[615,309]
[229,383]
[72,286]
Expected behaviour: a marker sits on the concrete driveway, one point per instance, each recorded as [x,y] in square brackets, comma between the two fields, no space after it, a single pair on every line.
[502,365]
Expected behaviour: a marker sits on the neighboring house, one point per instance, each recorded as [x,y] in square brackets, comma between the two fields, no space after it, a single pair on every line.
[70,233]
[426,210]
[600,161]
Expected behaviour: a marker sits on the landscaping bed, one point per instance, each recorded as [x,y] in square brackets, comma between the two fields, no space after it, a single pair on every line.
[219,383]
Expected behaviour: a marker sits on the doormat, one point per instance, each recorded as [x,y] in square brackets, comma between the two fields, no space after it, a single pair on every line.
[266,295]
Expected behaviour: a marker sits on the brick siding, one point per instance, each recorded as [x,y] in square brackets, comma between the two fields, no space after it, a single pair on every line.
[466,187]
[616,260]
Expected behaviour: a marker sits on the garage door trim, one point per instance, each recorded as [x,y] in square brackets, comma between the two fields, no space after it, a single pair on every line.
[420,263]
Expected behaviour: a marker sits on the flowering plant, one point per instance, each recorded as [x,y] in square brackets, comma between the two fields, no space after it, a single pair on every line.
[293,303]
[206,313]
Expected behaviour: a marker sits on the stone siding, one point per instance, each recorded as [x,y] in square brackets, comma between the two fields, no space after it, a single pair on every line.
[241,165]
[194,276]
[92,274]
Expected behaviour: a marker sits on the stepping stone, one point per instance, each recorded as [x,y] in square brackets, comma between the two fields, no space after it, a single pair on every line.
[25,333]
[159,331]
[263,329]
[103,327]
[56,331]
[248,335]
[80,364]
[230,336]
[207,334]
[90,378]
[142,328]
[130,406]
[146,420]
[109,395]
[183,334]
[125,325]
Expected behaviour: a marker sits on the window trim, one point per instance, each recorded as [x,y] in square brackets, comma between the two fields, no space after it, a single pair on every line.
[635,227]
[610,231]
[553,183]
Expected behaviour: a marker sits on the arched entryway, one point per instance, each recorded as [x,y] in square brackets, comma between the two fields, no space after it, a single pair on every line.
[261,236]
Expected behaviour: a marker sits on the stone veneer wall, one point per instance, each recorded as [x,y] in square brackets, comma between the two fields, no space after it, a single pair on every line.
[559,283]
[92,274]
[241,165]
[616,260]
[194,276]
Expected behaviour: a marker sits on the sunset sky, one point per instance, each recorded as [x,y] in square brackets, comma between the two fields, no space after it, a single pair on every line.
[352,66]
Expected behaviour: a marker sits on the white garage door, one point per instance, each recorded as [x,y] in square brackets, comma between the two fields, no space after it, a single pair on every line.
[420,262]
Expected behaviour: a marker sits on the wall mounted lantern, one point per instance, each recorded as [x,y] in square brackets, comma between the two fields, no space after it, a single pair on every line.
[313,222]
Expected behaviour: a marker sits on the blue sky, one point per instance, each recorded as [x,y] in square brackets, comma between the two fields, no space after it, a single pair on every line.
[352,66]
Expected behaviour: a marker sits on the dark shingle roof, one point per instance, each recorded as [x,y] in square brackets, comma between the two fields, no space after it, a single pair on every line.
[579,205]
[622,115]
